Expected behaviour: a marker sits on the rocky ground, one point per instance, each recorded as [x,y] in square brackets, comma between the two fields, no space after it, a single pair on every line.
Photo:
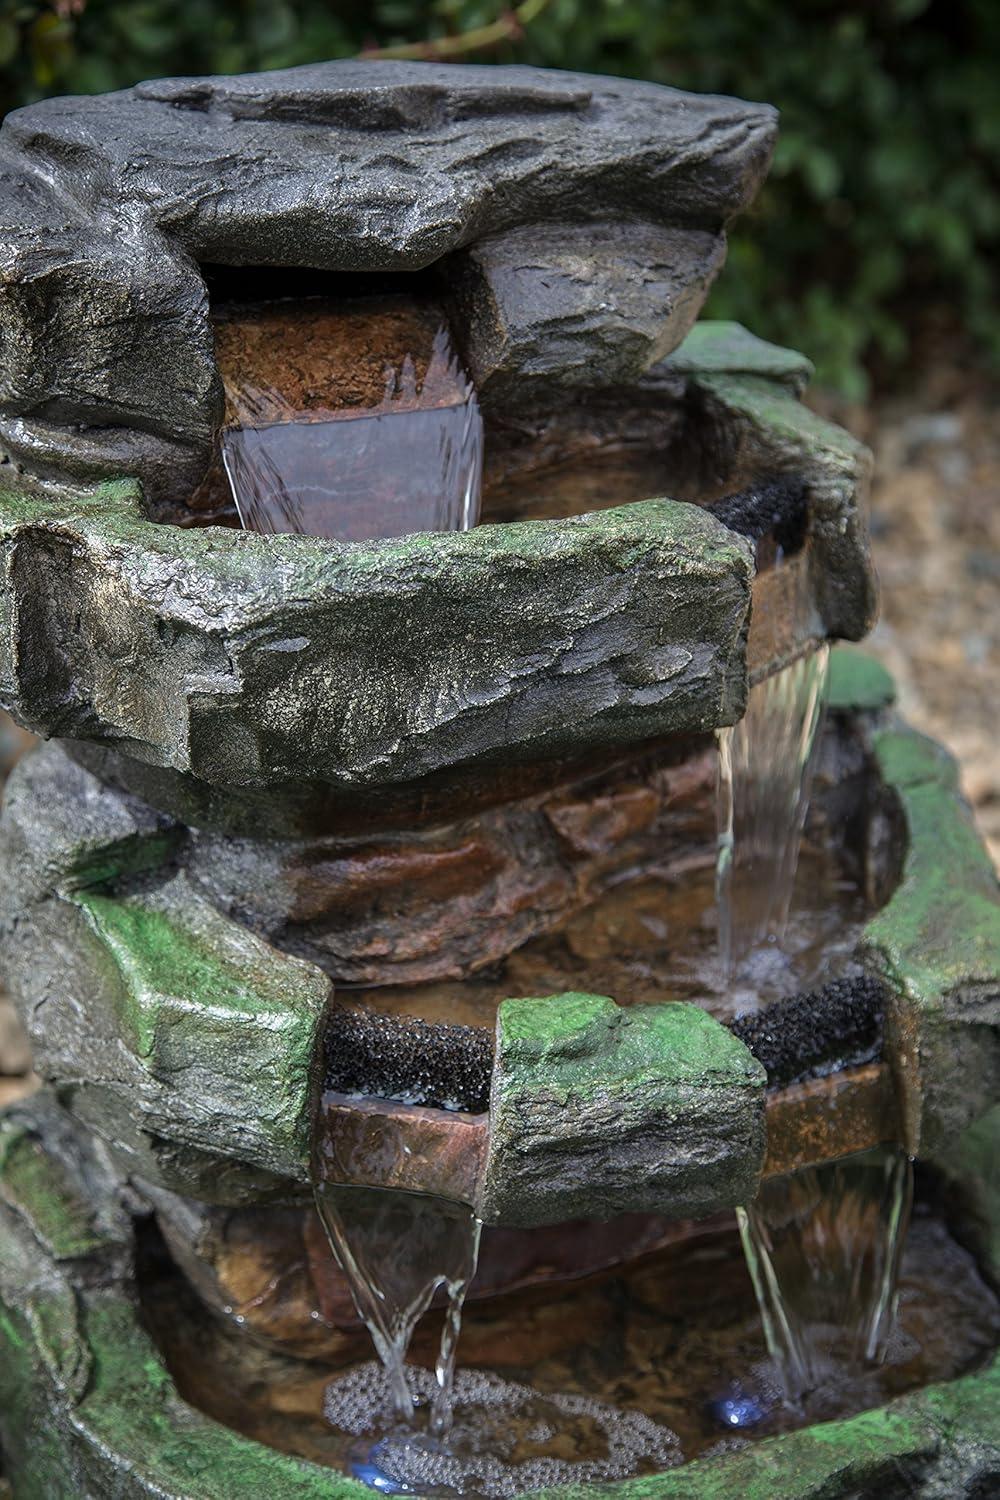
[936,533]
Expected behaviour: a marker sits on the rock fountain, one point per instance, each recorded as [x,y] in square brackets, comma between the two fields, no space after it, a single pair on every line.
[367,877]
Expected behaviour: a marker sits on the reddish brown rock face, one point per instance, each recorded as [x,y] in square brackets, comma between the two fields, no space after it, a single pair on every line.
[316,359]
[401,1146]
[446,902]
[826,1119]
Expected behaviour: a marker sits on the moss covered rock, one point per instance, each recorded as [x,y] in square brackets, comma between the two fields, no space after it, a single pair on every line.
[599,1109]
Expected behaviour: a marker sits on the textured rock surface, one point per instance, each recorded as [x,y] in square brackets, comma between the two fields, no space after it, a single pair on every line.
[598,1109]
[110,203]
[270,1269]
[745,394]
[181,1037]
[450,897]
[226,662]
[858,683]
[937,943]
[550,308]
[87,1407]
[936,940]
[719,347]
[968,1163]
[187,1041]
[252,661]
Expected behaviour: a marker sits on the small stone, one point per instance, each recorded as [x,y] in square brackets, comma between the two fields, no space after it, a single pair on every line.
[598,1110]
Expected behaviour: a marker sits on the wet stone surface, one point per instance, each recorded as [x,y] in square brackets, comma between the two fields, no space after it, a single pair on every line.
[677,1339]
[651,939]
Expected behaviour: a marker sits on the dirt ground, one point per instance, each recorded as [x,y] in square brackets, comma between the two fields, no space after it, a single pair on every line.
[936,540]
[936,537]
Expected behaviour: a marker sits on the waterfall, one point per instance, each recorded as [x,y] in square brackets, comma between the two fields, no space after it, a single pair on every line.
[397,1249]
[764,776]
[823,1246]
[412,463]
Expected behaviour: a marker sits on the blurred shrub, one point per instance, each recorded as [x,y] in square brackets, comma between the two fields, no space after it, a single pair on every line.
[884,198]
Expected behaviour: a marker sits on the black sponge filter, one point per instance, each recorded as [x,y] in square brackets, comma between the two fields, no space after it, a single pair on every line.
[403,1057]
[813,1034]
[449,1067]
[775,507]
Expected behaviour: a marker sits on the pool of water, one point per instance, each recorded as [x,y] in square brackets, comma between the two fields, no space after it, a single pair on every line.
[651,939]
[675,1339]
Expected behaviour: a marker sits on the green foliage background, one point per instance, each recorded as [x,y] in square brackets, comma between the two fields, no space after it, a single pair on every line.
[884,202]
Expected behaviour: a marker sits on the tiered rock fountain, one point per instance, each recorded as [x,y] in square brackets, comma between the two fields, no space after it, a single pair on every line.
[337,779]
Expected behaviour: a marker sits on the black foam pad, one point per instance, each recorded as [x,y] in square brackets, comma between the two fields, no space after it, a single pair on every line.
[819,1032]
[403,1057]
[770,507]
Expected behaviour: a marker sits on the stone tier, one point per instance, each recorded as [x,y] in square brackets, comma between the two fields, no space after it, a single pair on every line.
[191,1042]
[88,1407]
[576,224]
[225,674]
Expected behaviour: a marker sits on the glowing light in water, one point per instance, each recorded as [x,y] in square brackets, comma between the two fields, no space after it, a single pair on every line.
[823,1246]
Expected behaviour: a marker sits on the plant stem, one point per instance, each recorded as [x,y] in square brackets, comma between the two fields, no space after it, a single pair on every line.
[509,27]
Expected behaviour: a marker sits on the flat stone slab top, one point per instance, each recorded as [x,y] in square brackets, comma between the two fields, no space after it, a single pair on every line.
[109,205]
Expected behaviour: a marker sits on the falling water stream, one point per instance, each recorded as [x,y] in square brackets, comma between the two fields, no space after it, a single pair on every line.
[823,1246]
[412,463]
[398,1249]
[765,765]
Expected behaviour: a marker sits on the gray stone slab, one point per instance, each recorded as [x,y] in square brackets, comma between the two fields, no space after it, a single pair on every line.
[564,307]
[255,662]
[109,204]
